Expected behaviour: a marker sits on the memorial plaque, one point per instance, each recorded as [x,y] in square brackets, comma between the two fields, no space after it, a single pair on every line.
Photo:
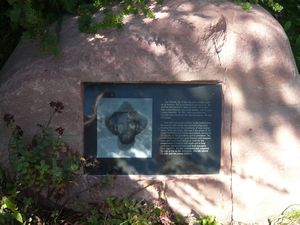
[153,129]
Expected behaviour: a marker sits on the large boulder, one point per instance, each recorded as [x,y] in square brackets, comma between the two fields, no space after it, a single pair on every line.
[248,52]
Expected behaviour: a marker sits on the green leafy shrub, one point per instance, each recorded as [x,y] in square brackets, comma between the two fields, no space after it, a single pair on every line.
[42,168]
[117,211]
[34,17]
[46,162]
[207,220]
[290,216]
[273,5]
[293,216]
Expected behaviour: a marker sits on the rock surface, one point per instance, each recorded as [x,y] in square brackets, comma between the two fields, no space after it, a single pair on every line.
[248,53]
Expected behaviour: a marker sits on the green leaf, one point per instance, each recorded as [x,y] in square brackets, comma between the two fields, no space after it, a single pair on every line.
[207,220]
[277,7]
[15,15]
[26,35]
[2,176]
[49,43]
[287,25]
[246,6]
[9,204]
[119,222]
[84,23]
[150,14]
[298,41]
[69,6]
[18,216]
[11,2]
[157,211]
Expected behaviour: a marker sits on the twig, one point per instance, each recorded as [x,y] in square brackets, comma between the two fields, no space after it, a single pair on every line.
[143,188]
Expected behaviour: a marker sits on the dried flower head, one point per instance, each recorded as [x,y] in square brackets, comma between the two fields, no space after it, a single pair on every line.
[57,106]
[60,130]
[39,125]
[18,131]
[8,119]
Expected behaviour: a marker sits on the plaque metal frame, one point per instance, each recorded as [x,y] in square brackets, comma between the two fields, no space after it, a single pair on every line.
[153,128]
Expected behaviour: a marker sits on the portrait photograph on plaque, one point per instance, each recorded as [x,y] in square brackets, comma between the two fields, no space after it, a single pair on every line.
[124,128]
[152,128]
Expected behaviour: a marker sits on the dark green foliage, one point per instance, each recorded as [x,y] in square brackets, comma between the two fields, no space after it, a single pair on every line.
[46,162]
[113,13]
[9,37]
[41,171]
[41,168]
[290,20]
[35,19]
[272,5]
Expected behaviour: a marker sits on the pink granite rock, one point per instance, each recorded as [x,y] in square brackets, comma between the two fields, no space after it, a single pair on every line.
[248,52]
